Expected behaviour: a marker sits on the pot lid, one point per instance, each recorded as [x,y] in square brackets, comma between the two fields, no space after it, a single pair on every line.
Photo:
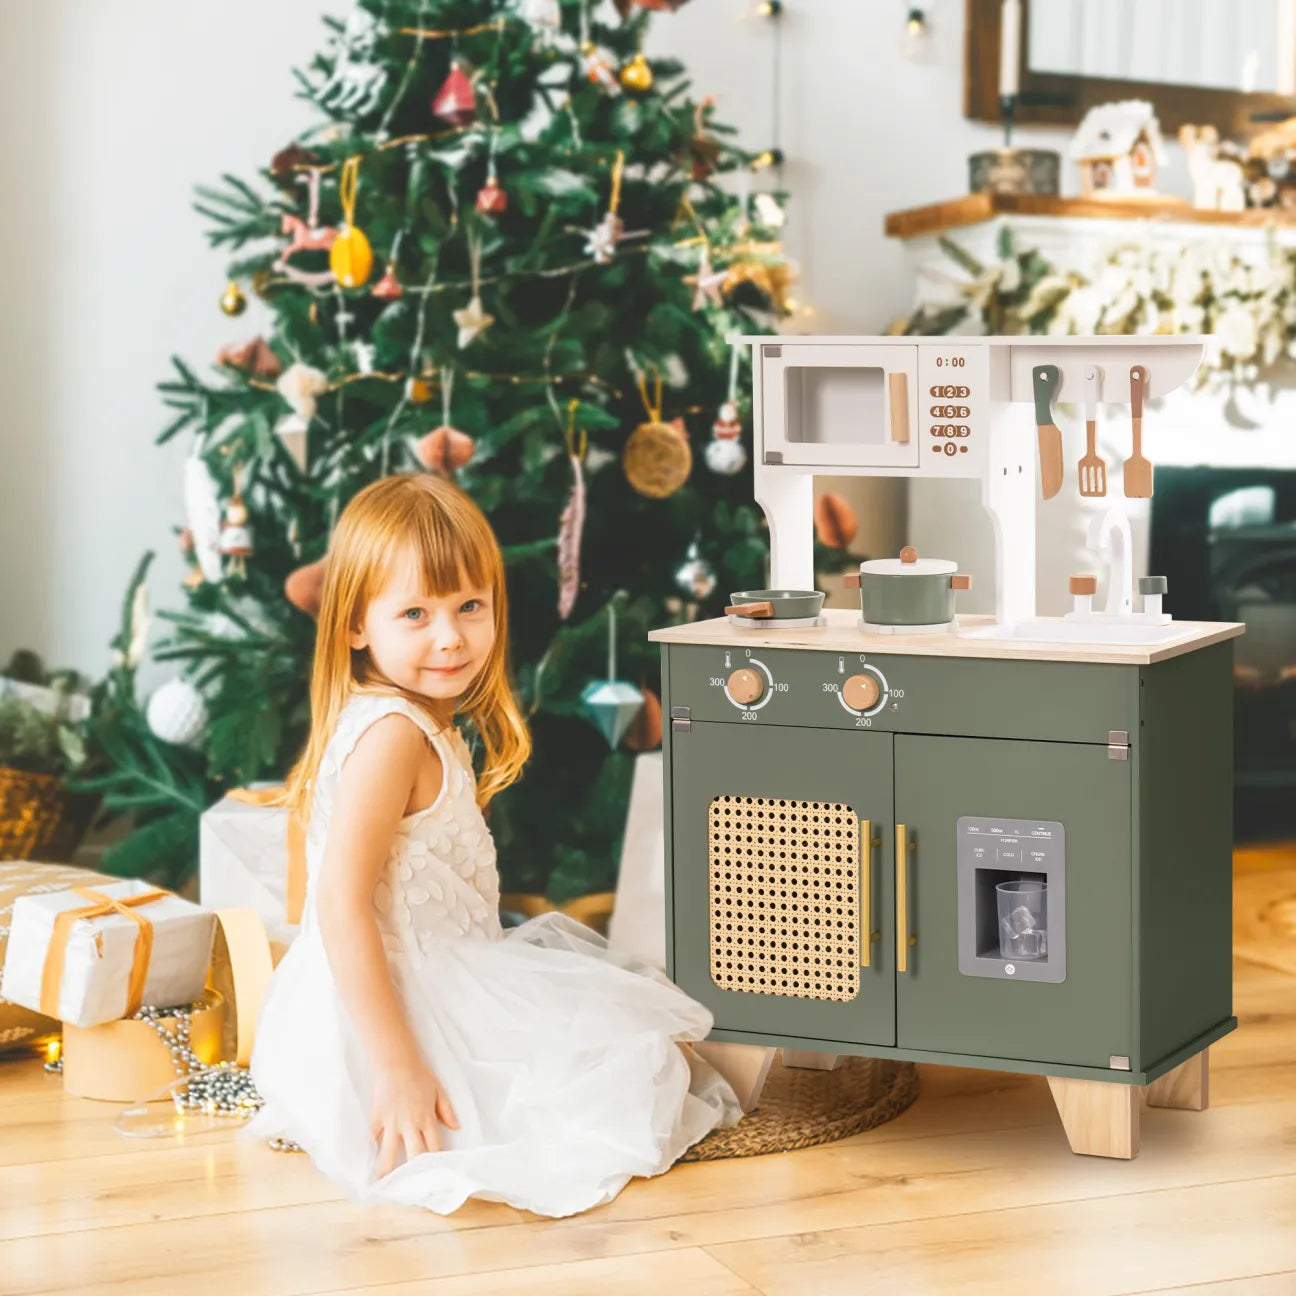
[908,564]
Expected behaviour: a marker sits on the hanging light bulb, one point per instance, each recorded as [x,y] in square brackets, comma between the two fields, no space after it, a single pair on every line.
[769,8]
[916,42]
[769,158]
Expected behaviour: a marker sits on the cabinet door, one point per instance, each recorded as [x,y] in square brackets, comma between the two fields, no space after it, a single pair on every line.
[841,405]
[1087,1017]
[769,884]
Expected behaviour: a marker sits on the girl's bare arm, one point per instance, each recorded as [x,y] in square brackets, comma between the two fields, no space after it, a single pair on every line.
[372,793]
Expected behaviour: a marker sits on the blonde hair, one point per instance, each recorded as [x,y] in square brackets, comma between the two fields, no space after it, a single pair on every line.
[454,547]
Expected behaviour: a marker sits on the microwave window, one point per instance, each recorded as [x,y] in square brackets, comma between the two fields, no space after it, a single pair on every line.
[836,405]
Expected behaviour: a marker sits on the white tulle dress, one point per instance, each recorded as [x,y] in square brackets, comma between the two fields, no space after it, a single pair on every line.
[560,1056]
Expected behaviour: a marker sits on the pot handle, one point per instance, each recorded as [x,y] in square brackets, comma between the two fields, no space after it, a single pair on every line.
[851,580]
[960,581]
[750,609]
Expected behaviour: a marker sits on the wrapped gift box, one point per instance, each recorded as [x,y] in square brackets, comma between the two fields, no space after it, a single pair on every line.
[243,861]
[20,1027]
[163,951]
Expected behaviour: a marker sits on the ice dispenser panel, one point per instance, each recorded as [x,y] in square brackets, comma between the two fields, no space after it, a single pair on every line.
[1012,898]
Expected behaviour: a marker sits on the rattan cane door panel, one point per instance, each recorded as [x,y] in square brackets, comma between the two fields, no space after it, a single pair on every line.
[768,879]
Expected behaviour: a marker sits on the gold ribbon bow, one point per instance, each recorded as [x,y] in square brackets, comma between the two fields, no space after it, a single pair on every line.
[99,906]
[295,883]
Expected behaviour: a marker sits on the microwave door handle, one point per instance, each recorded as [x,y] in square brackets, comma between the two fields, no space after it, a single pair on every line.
[898,402]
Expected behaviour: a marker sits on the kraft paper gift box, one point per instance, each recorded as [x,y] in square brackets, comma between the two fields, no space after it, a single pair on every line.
[95,953]
[253,855]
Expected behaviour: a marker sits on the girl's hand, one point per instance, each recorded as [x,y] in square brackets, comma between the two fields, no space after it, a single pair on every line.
[408,1101]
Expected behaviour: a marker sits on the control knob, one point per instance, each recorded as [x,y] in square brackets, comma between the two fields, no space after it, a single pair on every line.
[746,686]
[861,692]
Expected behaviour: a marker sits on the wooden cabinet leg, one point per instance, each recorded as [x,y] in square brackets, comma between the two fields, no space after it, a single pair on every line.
[745,1066]
[1100,1118]
[1186,1087]
[811,1061]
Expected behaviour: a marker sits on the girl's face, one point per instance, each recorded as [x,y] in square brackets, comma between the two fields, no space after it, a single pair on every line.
[427,644]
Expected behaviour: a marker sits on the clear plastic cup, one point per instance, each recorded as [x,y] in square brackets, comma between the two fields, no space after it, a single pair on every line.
[1023,919]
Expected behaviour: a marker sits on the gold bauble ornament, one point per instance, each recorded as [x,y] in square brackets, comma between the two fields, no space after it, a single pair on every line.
[637,75]
[232,301]
[419,391]
[657,459]
[351,257]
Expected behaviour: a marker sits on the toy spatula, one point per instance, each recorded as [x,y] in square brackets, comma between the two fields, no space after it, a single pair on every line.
[1092,468]
[1046,379]
[1138,470]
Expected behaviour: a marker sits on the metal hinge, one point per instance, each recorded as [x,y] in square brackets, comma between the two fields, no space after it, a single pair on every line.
[1118,1063]
[681,726]
[774,456]
[1118,744]
[771,352]
[681,713]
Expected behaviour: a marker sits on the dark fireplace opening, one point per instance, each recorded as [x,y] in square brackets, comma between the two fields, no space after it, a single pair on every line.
[1226,540]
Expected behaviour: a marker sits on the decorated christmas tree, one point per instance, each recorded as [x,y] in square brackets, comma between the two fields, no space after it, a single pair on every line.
[512,251]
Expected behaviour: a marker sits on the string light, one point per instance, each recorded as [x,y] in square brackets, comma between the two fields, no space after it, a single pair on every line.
[769,158]
[769,9]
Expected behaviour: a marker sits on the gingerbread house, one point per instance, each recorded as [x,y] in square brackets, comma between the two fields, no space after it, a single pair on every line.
[1118,147]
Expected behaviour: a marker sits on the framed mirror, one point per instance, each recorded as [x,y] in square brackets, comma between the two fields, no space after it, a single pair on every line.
[1196,60]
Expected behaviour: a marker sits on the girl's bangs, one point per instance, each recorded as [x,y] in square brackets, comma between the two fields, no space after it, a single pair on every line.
[446,559]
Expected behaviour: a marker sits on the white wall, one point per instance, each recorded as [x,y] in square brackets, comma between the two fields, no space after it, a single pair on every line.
[110,113]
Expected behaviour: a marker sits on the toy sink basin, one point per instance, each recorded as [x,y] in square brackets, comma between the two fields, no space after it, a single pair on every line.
[1096,630]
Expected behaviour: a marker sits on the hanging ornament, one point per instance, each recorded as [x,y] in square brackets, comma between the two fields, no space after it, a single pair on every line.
[491,199]
[545,16]
[299,385]
[306,236]
[304,588]
[232,301]
[194,578]
[599,66]
[456,101]
[236,535]
[637,75]
[255,357]
[288,161]
[834,521]
[350,257]
[388,287]
[702,152]
[418,390]
[707,282]
[364,353]
[725,452]
[177,713]
[769,211]
[601,242]
[445,449]
[611,703]
[645,733]
[202,512]
[764,266]
[696,578]
[472,320]
[572,522]
[359,74]
[657,459]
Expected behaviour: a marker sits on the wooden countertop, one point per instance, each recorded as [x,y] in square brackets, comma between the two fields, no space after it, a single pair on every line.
[842,634]
[974,208]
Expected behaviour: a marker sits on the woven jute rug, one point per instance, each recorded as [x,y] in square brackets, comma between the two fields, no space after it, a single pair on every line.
[800,1107]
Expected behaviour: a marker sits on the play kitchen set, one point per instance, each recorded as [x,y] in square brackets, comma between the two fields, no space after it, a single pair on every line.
[989,841]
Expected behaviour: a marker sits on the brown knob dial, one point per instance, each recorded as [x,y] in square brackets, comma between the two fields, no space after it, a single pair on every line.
[861,692]
[746,685]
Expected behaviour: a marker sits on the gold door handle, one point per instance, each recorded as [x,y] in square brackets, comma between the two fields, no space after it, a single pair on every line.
[898,399]
[903,939]
[867,934]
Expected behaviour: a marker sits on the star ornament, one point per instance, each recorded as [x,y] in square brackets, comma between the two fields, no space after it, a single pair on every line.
[472,321]
[707,284]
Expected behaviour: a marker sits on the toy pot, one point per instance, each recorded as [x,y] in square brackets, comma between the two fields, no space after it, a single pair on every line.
[908,590]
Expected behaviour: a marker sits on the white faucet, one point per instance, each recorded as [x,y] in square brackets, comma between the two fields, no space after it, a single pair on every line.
[1109,536]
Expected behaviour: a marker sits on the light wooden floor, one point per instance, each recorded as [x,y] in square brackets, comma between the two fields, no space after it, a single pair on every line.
[972,1190]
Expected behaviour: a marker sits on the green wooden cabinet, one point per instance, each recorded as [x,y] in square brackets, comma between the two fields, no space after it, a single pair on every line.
[1131,763]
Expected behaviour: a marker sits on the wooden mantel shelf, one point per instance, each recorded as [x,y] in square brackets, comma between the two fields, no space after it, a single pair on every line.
[975,208]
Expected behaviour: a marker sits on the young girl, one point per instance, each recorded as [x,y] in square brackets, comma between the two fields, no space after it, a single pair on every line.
[416,1050]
